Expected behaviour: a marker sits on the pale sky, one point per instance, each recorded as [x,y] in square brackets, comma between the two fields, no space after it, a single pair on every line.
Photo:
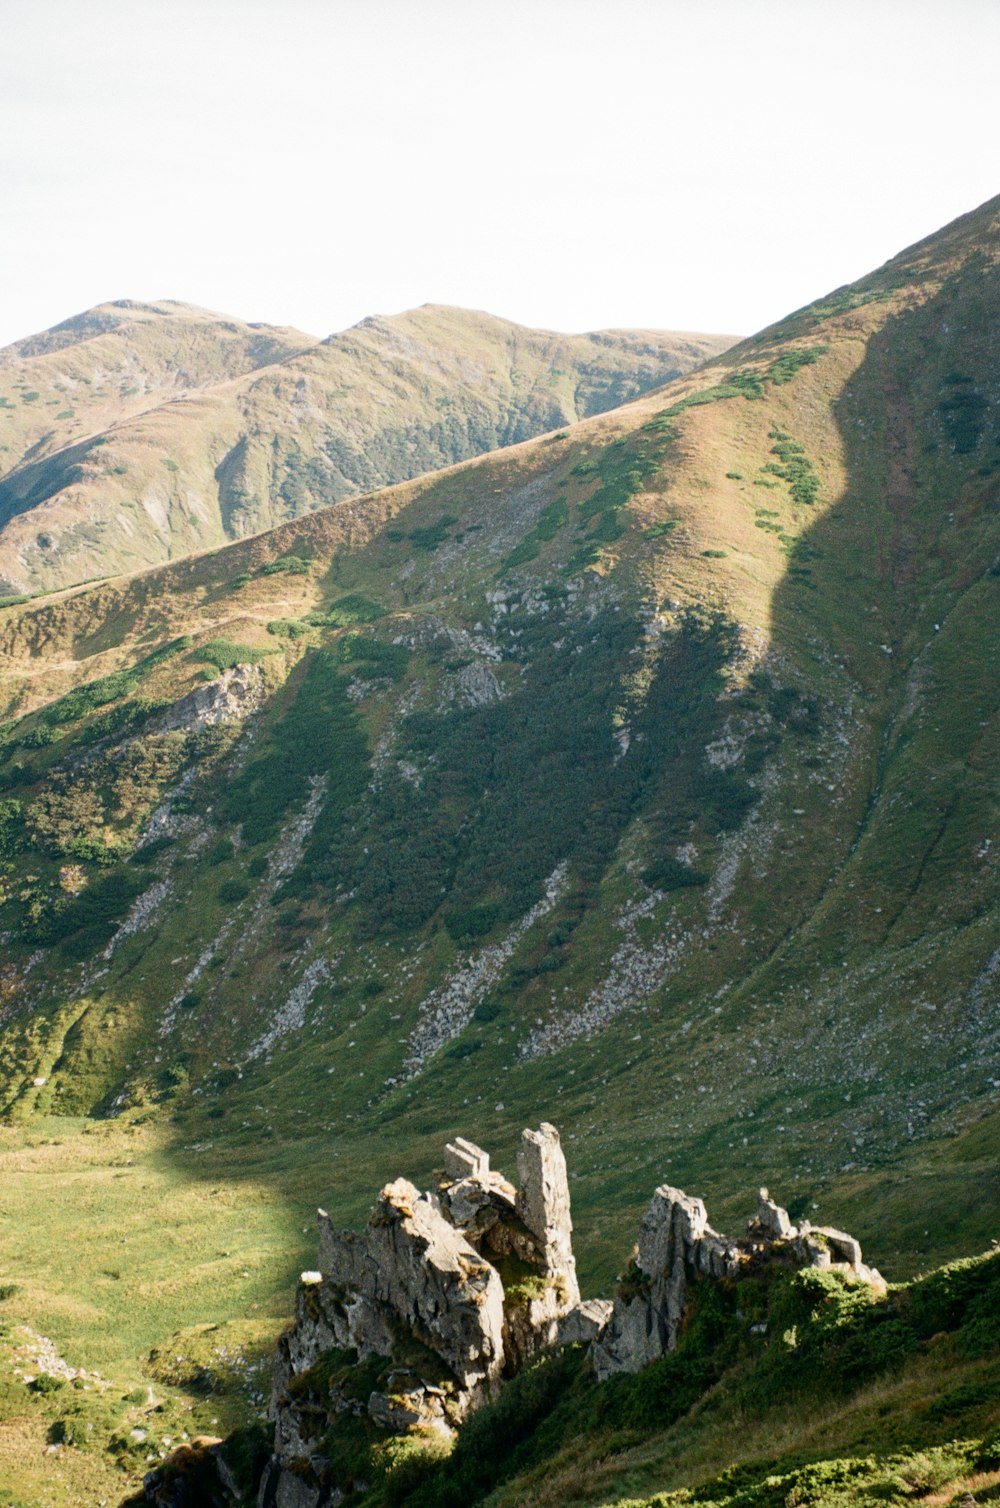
[573,164]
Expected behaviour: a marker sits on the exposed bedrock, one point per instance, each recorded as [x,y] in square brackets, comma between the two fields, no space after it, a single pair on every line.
[420,1317]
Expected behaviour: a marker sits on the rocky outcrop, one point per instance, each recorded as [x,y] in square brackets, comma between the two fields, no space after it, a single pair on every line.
[413,1268]
[677,1247]
[419,1318]
[414,1321]
[231,697]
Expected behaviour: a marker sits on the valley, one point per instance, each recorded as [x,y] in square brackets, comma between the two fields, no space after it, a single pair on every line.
[638,776]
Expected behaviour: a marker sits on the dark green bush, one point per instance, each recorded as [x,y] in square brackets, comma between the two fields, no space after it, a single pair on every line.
[668,873]
[110,688]
[794,467]
[318,734]
[288,628]
[293,565]
[86,923]
[224,654]
[475,921]
[784,368]
[374,657]
[432,535]
[152,850]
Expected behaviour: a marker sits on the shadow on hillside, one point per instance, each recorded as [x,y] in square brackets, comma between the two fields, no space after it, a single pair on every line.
[917,447]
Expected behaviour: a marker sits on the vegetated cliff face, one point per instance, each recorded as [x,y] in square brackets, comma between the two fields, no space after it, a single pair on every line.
[648,767]
[137,433]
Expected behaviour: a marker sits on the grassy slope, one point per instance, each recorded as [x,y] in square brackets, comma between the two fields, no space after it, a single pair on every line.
[783,1391]
[817,1016]
[142,433]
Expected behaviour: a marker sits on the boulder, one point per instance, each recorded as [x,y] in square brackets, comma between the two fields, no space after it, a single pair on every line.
[584,1322]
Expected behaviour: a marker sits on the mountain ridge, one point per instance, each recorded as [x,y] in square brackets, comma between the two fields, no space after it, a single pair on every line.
[188,427]
[638,775]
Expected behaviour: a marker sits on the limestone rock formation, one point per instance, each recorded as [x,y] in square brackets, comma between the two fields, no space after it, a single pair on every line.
[415,1320]
[419,1318]
[543,1204]
[677,1246]
[584,1322]
[412,1267]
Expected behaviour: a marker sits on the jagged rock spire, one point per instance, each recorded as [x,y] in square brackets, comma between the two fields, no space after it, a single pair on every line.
[543,1204]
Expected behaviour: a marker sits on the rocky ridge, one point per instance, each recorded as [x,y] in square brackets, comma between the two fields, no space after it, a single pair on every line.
[419,1319]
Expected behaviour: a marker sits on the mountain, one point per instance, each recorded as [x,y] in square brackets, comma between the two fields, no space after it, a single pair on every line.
[137,433]
[639,777]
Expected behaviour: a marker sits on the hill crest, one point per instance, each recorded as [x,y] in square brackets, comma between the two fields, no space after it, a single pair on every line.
[134,433]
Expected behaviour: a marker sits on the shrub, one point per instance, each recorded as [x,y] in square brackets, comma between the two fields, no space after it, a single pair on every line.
[432,535]
[354,608]
[318,734]
[71,1431]
[294,565]
[473,922]
[795,468]
[458,1051]
[551,519]
[85,924]
[37,738]
[288,628]
[109,688]
[374,657]
[224,654]
[668,873]
[152,850]
[784,368]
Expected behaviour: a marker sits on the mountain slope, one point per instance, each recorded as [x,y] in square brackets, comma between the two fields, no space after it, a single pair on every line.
[641,777]
[138,433]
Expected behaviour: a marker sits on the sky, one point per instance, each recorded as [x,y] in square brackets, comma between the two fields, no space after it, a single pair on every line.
[572,164]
